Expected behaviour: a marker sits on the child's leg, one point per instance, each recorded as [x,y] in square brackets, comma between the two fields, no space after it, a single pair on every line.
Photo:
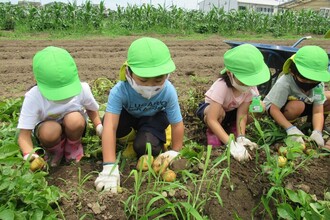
[151,130]
[74,125]
[226,119]
[126,133]
[127,141]
[168,134]
[326,109]
[293,110]
[49,134]
[211,138]
[144,137]
[229,122]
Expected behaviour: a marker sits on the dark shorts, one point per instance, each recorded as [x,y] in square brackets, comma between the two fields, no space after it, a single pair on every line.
[229,118]
[307,111]
[155,124]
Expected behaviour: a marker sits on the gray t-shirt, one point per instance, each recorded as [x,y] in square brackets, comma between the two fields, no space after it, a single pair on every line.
[286,89]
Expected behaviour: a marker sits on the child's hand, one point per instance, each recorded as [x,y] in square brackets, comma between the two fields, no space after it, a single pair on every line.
[246,142]
[317,137]
[30,157]
[36,162]
[295,134]
[108,179]
[239,152]
[169,155]
[99,130]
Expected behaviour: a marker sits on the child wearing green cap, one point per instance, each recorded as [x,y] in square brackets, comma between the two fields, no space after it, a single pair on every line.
[300,92]
[55,110]
[140,108]
[227,101]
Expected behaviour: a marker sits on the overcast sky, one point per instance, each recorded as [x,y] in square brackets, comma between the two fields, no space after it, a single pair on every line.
[188,4]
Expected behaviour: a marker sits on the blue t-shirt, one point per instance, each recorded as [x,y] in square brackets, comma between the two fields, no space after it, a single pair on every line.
[122,95]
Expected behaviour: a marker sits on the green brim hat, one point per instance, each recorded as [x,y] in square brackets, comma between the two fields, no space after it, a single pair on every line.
[247,64]
[148,57]
[311,62]
[56,74]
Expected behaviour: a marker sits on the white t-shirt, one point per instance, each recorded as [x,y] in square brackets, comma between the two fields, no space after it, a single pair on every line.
[222,94]
[37,108]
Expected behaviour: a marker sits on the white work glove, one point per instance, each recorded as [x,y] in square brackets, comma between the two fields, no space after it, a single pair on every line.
[171,154]
[238,151]
[317,137]
[295,134]
[99,129]
[31,157]
[108,179]
[246,142]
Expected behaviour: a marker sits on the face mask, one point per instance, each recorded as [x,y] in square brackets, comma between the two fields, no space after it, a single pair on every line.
[304,86]
[240,88]
[145,91]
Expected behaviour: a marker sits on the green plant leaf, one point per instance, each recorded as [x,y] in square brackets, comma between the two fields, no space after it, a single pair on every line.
[159,210]
[191,210]
[293,196]
[8,150]
[265,202]
[37,215]
[316,207]
[219,198]
[7,215]
[304,198]
[285,211]
[327,213]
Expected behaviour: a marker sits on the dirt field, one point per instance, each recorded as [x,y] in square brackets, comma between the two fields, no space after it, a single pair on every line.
[99,57]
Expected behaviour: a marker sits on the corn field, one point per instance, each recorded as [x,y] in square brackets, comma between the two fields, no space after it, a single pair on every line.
[89,18]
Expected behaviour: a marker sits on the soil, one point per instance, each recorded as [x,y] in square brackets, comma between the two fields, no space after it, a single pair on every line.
[198,64]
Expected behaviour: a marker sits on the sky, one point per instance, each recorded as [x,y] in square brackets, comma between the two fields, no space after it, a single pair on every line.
[112,4]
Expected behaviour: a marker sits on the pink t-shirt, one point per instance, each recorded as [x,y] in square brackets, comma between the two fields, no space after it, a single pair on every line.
[222,94]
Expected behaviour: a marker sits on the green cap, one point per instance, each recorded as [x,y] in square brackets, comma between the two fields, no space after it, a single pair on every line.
[56,74]
[247,64]
[311,62]
[149,57]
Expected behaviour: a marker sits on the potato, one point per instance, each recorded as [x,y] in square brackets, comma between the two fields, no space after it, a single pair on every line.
[143,162]
[156,164]
[160,167]
[282,151]
[169,176]
[303,147]
[160,164]
[310,152]
[37,164]
[119,189]
[281,161]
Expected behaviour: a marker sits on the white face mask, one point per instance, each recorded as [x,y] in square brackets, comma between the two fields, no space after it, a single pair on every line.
[240,88]
[145,91]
